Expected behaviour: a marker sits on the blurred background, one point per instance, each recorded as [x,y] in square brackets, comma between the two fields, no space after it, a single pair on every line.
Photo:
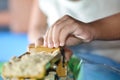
[14,21]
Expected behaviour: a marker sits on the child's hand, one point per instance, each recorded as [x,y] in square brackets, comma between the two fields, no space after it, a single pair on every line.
[68,54]
[67,31]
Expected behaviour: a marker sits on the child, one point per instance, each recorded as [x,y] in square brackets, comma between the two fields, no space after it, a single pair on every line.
[95,20]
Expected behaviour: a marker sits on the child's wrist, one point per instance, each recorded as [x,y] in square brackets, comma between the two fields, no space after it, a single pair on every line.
[85,32]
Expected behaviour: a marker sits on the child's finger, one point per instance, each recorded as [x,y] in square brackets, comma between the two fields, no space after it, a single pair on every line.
[68,54]
[39,42]
[31,45]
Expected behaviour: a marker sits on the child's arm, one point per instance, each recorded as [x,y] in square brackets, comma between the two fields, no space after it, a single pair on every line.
[38,23]
[19,15]
[4,18]
[69,31]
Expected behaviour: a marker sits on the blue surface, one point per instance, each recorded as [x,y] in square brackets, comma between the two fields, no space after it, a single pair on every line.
[97,59]
[98,72]
[96,67]
[12,44]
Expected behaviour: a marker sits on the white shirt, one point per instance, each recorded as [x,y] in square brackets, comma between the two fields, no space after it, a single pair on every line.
[86,11]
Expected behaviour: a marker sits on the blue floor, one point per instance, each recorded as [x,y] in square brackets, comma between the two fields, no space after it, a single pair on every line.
[11,44]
